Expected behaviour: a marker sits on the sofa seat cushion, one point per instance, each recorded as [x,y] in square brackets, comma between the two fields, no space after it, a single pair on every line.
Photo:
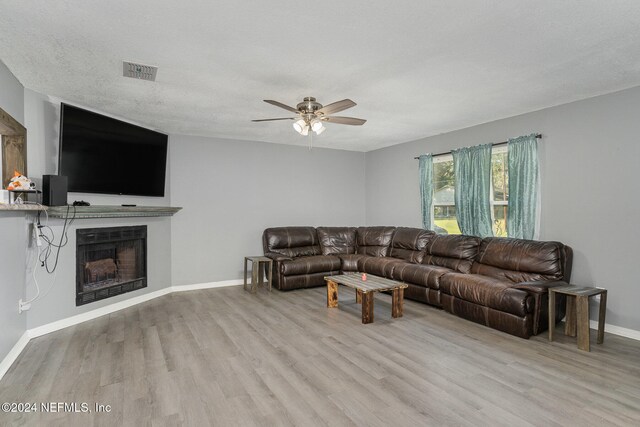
[420,274]
[301,281]
[350,261]
[310,264]
[487,292]
[277,257]
[337,240]
[378,266]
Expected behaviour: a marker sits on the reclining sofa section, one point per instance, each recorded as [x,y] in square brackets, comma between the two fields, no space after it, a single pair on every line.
[498,282]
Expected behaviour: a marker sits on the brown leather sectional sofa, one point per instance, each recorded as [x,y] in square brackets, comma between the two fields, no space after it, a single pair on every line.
[499,282]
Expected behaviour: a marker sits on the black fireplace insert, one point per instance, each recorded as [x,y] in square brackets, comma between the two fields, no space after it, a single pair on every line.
[110,261]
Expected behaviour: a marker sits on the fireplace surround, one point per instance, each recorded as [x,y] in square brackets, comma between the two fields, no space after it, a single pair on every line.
[110,261]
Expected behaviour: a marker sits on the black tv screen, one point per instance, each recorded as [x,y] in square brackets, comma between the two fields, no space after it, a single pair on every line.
[99,154]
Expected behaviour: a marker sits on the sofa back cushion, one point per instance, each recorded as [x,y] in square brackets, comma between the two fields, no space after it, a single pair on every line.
[409,243]
[519,260]
[374,241]
[337,240]
[456,252]
[291,241]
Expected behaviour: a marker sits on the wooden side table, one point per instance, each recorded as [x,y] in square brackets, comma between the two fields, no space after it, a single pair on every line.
[578,312]
[259,266]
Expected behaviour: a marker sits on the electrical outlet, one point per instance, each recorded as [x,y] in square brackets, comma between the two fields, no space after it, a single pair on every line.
[22,306]
[36,235]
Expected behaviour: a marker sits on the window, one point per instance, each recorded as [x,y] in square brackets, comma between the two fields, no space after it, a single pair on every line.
[444,209]
[499,190]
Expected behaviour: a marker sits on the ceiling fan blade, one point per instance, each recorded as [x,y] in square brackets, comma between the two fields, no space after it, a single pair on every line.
[281,105]
[270,120]
[336,107]
[344,120]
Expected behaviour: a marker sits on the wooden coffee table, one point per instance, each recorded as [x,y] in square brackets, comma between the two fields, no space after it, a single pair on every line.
[364,292]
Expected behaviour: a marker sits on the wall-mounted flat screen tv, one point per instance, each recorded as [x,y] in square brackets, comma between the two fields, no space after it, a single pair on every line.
[99,154]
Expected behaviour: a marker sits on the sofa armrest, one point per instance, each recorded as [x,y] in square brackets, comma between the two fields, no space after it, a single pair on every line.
[539,291]
[277,257]
[539,287]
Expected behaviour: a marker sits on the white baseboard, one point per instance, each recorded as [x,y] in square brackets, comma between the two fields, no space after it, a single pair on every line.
[617,330]
[99,312]
[13,354]
[108,309]
[208,285]
[93,314]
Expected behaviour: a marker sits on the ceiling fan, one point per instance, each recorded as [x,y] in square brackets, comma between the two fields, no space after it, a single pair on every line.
[311,115]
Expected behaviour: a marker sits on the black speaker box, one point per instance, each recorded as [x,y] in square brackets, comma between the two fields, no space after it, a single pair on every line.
[54,190]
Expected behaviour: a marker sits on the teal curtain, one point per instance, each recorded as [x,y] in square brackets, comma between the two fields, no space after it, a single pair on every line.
[426,189]
[472,168]
[523,186]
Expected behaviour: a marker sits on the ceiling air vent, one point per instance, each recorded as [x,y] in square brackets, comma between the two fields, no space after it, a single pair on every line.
[139,71]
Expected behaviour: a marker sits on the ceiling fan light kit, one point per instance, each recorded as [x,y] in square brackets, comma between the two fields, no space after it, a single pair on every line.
[311,115]
[299,126]
[317,126]
[303,127]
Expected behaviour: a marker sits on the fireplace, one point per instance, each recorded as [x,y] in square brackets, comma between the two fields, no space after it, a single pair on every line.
[110,261]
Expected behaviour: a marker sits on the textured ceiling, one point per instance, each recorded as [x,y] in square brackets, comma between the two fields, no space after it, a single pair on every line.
[415,68]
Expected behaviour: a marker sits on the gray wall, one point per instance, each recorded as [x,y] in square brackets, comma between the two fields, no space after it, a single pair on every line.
[11,94]
[12,235]
[42,119]
[232,190]
[12,278]
[590,195]
[59,294]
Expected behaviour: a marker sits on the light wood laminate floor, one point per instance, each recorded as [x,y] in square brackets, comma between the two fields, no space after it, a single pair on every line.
[227,357]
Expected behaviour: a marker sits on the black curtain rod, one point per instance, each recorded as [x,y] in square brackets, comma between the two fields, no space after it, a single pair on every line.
[493,145]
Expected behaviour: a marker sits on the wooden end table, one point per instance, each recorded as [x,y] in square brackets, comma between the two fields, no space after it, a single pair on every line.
[258,264]
[365,289]
[578,312]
